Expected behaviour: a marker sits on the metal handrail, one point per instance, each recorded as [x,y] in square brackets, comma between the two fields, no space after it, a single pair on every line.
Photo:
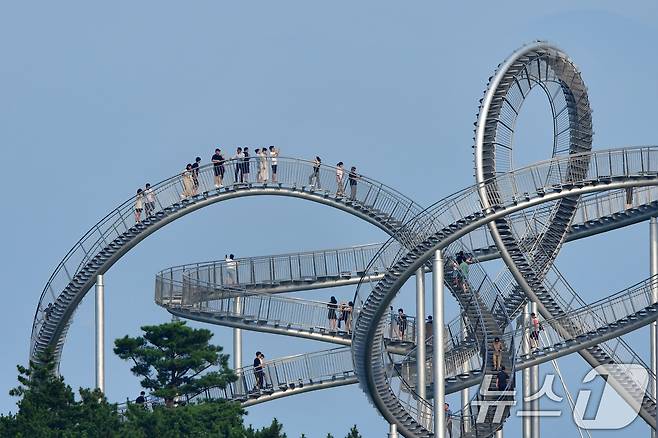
[183,189]
[520,185]
[285,373]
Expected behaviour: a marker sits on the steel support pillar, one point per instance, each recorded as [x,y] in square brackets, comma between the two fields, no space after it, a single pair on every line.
[653,263]
[393,431]
[530,383]
[237,337]
[499,433]
[100,333]
[438,370]
[466,392]
[421,353]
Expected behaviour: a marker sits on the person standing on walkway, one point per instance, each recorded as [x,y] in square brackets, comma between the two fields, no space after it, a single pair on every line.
[535,327]
[149,205]
[502,379]
[139,206]
[245,166]
[231,268]
[448,414]
[347,316]
[314,178]
[331,314]
[218,167]
[259,371]
[188,182]
[497,348]
[262,166]
[274,155]
[340,179]
[429,323]
[463,266]
[195,173]
[353,177]
[238,163]
[402,323]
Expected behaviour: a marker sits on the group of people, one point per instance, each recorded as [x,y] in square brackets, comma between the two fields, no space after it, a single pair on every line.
[340,313]
[144,202]
[266,161]
[352,178]
[259,370]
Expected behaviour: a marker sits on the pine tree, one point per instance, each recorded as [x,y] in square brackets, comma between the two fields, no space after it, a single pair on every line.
[172,360]
[354,433]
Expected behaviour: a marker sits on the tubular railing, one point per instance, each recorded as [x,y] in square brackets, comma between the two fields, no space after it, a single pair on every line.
[284,268]
[286,373]
[590,318]
[384,202]
[293,313]
[507,190]
[523,184]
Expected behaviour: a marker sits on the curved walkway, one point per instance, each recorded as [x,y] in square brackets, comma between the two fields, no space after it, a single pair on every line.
[461,213]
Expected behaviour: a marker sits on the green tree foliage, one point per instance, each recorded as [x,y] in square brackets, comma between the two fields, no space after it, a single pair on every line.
[47,406]
[354,433]
[171,359]
[210,418]
[275,430]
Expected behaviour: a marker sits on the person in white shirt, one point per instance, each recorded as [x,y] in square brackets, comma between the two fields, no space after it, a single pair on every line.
[231,268]
[274,155]
[149,205]
[238,162]
[340,179]
[263,175]
[139,206]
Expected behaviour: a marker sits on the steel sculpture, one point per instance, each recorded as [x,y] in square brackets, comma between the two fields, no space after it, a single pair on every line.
[523,216]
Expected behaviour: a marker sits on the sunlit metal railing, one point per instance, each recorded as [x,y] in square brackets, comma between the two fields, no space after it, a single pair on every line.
[118,229]
[285,374]
[506,191]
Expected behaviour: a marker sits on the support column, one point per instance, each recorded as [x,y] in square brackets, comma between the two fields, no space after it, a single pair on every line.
[527,405]
[653,261]
[438,370]
[100,333]
[466,392]
[499,433]
[530,383]
[237,337]
[421,353]
[393,431]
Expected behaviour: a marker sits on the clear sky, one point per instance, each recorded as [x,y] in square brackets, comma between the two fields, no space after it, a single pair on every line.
[98,98]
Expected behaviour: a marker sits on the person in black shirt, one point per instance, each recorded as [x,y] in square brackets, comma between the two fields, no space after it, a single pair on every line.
[195,173]
[352,177]
[331,314]
[502,379]
[141,399]
[402,323]
[245,166]
[218,167]
[259,372]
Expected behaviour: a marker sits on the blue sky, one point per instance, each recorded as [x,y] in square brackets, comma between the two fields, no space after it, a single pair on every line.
[98,98]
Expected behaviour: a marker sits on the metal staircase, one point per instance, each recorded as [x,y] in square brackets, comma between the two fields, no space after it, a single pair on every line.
[462,213]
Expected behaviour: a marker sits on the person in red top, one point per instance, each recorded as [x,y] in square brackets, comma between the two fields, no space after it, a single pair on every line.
[534,331]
